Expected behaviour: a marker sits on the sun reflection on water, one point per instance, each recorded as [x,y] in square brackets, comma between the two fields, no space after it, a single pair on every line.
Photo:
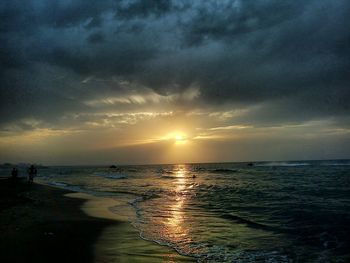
[176,223]
[167,220]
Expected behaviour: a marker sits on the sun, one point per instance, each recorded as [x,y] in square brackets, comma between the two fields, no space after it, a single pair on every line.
[179,137]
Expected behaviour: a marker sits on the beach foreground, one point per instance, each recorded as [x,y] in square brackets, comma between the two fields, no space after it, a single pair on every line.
[45,224]
[220,212]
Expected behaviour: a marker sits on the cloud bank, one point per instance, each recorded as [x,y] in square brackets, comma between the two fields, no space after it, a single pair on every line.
[78,65]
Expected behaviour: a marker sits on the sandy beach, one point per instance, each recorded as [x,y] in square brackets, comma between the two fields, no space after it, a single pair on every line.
[40,223]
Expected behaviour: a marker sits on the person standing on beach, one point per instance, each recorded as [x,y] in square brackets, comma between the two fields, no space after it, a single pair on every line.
[31,173]
[14,173]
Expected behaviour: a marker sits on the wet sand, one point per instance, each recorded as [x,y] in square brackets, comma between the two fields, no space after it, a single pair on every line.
[40,223]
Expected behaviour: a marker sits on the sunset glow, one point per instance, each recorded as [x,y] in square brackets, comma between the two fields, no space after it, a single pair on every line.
[169,81]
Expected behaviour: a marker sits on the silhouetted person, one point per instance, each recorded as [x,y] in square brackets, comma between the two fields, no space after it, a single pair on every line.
[31,173]
[14,173]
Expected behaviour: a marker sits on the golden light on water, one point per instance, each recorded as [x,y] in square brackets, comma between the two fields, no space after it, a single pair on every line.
[175,223]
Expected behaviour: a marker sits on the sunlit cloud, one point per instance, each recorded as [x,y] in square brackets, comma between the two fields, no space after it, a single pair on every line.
[149,97]
[231,127]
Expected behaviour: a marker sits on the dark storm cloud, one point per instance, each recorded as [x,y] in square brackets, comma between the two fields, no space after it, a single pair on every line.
[143,8]
[18,15]
[119,59]
[27,94]
[229,19]
[96,37]
[289,57]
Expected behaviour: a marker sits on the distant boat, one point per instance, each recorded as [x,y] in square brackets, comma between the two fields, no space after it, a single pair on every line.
[250,164]
[113,166]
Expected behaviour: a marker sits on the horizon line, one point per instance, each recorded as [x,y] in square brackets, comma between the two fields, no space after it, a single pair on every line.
[189,163]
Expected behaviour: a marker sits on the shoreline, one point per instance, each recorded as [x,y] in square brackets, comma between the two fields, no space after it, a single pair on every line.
[47,224]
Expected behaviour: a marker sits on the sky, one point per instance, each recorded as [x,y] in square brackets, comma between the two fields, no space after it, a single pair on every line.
[138,82]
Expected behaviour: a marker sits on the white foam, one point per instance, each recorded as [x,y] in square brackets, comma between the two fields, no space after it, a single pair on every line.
[58,184]
[282,164]
[111,175]
[66,186]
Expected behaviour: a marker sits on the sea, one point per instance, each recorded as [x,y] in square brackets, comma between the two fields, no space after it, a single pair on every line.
[295,211]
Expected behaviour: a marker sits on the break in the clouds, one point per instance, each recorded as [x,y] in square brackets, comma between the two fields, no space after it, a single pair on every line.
[97,65]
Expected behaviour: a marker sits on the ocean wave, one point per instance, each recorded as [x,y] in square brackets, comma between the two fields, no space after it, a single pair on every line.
[335,164]
[250,223]
[215,253]
[168,177]
[198,169]
[282,164]
[223,170]
[165,171]
[111,175]
[58,184]
[73,188]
